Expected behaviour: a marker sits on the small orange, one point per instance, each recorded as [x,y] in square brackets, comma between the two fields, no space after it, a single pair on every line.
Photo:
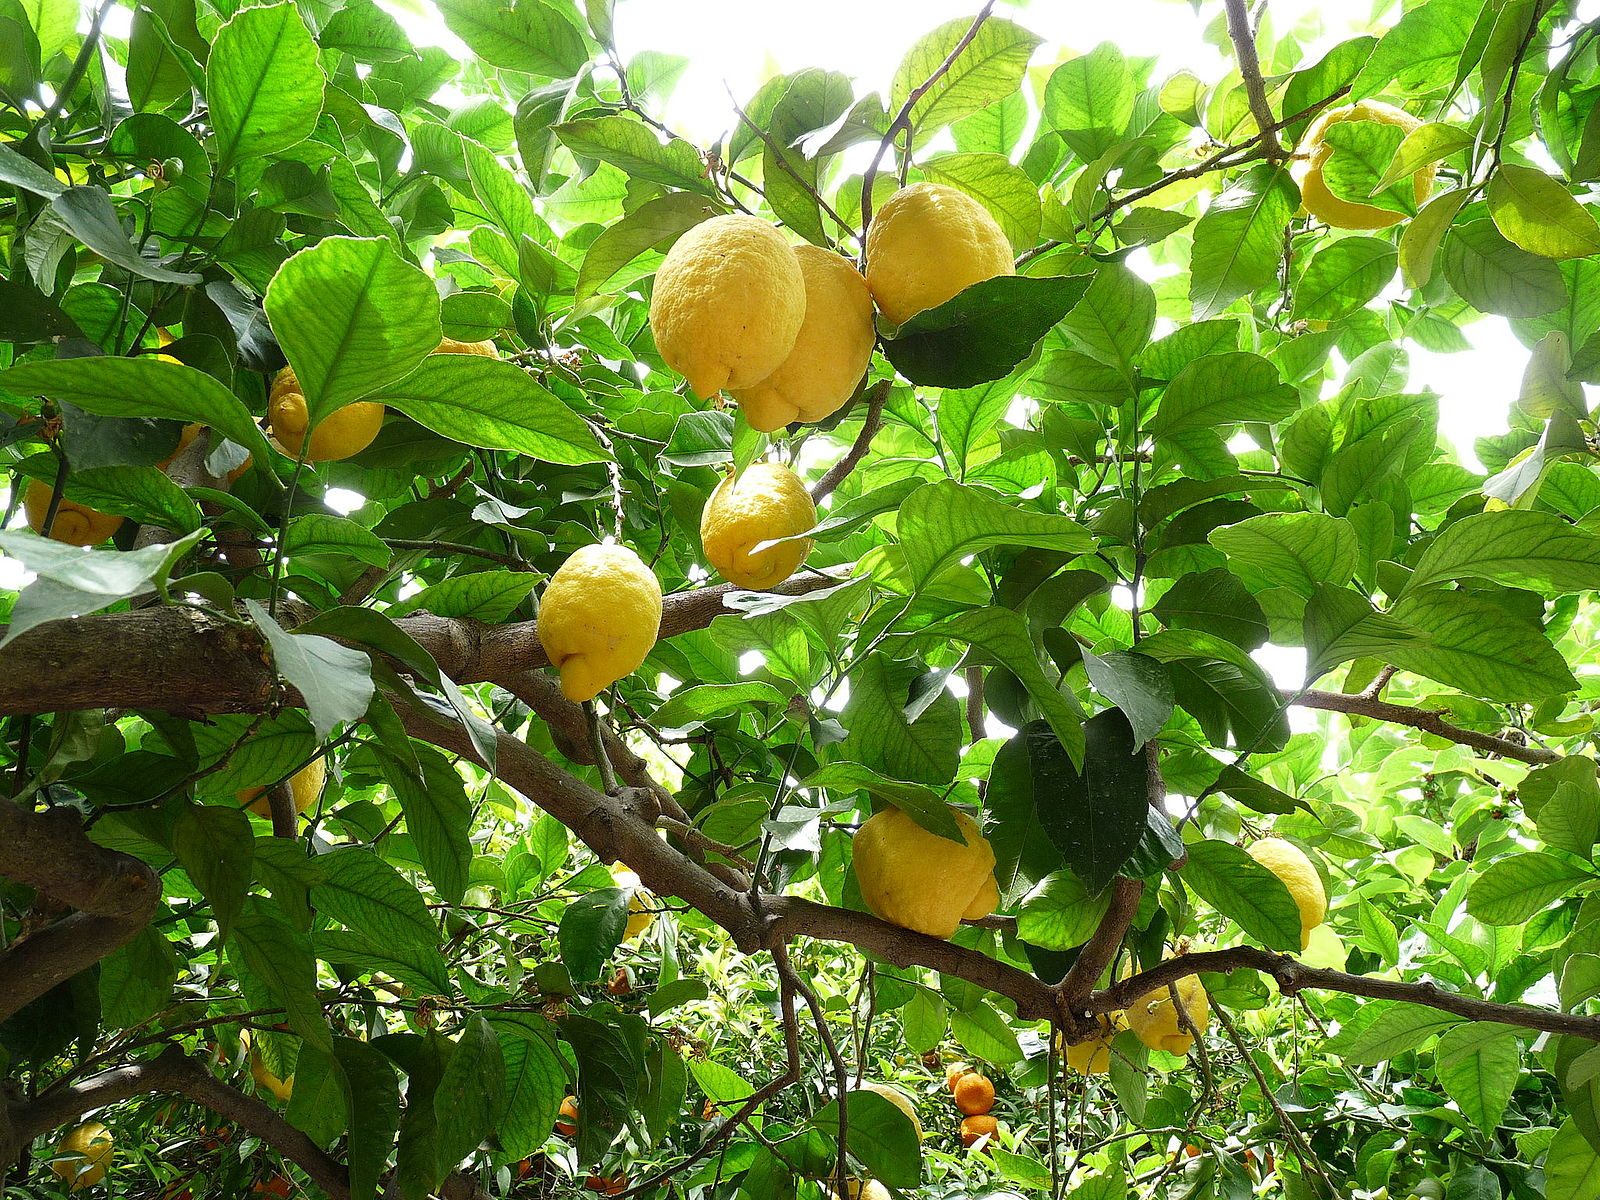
[567,1118]
[974,1094]
[608,1185]
[975,1128]
[954,1074]
[620,984]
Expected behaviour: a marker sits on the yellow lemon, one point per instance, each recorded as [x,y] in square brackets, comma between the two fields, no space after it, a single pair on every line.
[728,302]
[919,880]
[830,355]
[927,243]
[306,784]
[83,1155]
[1334,210]
[1154,1019]
[864,1189]
[1093,1057]
[767,501]
[1290,864]
[484,348]
[897,1098]
[598,618]
[640,912]
[344,432]
[282,1089]
[75,524]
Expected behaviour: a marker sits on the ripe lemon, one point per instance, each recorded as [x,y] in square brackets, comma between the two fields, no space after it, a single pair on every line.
[927,243]
[75,524]
[1334,210]
[306,784]
[830,355]
[1093,1057]
[1154,1019]
[1290,864]
[864,1189]
[919,880]
[728,302]
[485,348]
[897,1098]
[598,618]
[83,1156]
[767,501]
[640,913]
[342,433]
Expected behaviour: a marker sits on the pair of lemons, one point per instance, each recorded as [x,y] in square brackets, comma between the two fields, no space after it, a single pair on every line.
[788,331]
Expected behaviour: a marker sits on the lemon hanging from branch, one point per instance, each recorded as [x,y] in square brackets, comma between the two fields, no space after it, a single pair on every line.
[766,502]
[598,618]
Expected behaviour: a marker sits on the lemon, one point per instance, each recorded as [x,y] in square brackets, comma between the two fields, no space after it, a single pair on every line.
[1093,1057]
[598,618]
[897,1098]
[728,303]
[1290,864]
[830,355]
[282,1089]
[767,501]
[83,1155]
[340,434]
[927,243]
[306,784]
[484,348]
[864,1189]
[1154,1019]
[1334,210]
[75,524]
[919,880]
[640,914]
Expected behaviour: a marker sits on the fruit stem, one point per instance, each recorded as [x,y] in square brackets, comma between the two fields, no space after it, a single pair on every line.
[597,740]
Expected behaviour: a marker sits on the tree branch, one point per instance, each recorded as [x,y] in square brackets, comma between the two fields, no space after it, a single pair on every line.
[876,396]
[1367,705]
[1244,47]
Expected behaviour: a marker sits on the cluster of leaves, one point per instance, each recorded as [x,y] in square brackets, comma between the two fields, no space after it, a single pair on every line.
[1093,501]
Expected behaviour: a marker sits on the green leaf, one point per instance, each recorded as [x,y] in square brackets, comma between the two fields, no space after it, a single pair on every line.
[1341,625]
[1096,815]
[881,737]
[1480,647]
[487,596]
[1518,548]
[527,36]
[111,386]
[1512,889]
[1222,687]
[335,681]
[320,1103]
[994,182]
[1538,214]
[1089,100]
[1419,244]
[137,979]
[215,846]
[1362,153]
[1494,276]
[470,1096]
[320,533]
[989,68]
[1344,276]
[1391,1029]
[1002,636]
[141,494]
[1421,51]
[1240,888]
[922,804]
[591,929]
[985,1033]
[1477,1064]
[352,316]
[1238,242]
[1139,686]
[1298,551]
[922,1020]
[636,148]
[695,705]
[983,332]
[1223,390]
[1216,602]
[473,316]
[361,891]
[1060,913]
[280,957]
[880,1137]
[1113,321]
[439,818]
[611,1067]
[654,225]
[944,522]
[263,83]
[536,1081]
[374,1112]
[88,213]
[495,405]
[1571,1165]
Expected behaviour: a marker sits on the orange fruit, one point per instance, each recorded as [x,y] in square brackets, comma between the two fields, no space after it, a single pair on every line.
[976,1127]
[567,1118]
[974,1094]
[954,1076]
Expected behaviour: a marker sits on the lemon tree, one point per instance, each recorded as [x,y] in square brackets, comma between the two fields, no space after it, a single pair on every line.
[953,639]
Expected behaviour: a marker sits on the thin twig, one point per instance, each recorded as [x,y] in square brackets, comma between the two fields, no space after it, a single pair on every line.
[1426,720]
[80,64]
[597,744]
[806,185]
[875,399]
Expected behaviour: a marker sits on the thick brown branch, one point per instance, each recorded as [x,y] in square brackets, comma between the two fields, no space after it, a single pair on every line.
[1293,977]
[1244,46]
[1099,950]
[1366,705]
[875,399]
